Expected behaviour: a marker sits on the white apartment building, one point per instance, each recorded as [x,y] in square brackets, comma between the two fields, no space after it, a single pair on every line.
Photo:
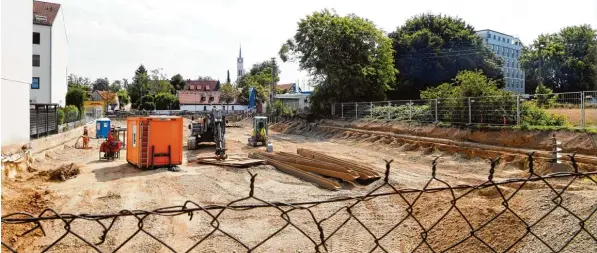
[509,49]
[50,53]
[16,28]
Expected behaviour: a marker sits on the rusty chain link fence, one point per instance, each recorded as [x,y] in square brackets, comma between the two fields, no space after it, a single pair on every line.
[530,213]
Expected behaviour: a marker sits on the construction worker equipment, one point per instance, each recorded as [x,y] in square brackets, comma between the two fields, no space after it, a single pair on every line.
[211,128]
[154,141]
[259,132]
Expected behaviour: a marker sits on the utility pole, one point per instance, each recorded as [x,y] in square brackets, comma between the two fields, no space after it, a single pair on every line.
[273,88]
[541,46]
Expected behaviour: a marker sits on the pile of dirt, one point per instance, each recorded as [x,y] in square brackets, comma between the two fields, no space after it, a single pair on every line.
[62,173]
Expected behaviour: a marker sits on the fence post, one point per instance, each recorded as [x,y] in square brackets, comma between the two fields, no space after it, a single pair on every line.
[342,110]
[389,113]
[582,108]
[356,110]
[436,120]
[371,109]
[517,109]
[470,116]
[410,110]
[333,107]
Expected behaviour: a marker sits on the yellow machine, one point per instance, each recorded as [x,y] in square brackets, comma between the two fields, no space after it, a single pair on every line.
[259,133]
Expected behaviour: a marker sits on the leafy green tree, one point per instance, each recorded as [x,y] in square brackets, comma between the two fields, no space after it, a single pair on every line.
[139,86]
[178,82]
[74,80]
[101,84]
[348,58]
[218,85]
[160,83]
[431,50]
[115,86]
[564,62]
[123,97]
[205,78]
[228,93]
[165,101]
[75,95]
[545,96]
[228,76]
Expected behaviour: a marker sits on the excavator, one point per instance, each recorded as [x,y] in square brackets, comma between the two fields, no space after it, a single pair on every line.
[210,128]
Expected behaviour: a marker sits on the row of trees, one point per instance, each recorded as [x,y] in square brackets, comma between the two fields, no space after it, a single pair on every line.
[350,59]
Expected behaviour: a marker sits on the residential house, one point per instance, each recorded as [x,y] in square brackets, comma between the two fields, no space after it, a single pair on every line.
[110,99]
[50,53]
[15,34]
[292,95]
[203,96]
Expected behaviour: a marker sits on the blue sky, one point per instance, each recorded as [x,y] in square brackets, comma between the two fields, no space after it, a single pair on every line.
[110,38]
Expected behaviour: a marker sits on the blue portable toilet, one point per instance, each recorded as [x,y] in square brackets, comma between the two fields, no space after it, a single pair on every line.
[102,128]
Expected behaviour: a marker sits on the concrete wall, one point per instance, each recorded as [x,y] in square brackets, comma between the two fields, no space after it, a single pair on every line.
[59,59]
[44,71]
[209,107]
[52,141]
[16,51]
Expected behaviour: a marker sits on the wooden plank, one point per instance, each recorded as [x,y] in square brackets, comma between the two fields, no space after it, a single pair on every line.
[239,162]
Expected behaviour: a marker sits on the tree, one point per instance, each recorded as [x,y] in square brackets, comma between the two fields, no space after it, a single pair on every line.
[178,82]
[165,101]
[115,86]
[76,96]
[431,50]
[74,80]
[564,62]
[218,85]
[139,86]
[228,93]
[123,97]
[160,83]
[228,76]
[205,78]
[101,84]
[347,57]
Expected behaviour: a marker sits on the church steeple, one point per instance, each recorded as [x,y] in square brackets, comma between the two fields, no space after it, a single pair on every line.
[240,70]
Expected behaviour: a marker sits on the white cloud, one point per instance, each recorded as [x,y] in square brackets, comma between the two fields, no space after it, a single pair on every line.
[197,37]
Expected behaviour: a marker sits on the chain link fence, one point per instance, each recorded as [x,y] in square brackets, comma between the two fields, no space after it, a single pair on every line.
[532,213]
[577,109]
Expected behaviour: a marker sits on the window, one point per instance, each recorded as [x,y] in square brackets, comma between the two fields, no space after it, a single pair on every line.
[239,72]
[36,38]
[494,37]
[488,35]
[35,60]
[35,83]
[205,107]
[508,41]
[233,107]
[134,134]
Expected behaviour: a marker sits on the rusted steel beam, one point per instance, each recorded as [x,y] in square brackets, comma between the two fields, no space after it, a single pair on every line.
[326,158]
[312,167]
[323,182]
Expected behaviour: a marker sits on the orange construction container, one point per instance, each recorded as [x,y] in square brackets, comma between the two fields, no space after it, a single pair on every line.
[154,141]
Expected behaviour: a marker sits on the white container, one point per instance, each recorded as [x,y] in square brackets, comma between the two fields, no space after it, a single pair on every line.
[270,147]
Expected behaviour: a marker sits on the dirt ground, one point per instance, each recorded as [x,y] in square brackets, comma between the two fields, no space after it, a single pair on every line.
[108,187]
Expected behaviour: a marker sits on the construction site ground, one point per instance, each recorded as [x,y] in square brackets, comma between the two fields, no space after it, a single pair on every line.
[108,187]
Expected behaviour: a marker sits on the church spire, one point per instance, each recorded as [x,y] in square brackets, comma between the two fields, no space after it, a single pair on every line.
[240,50]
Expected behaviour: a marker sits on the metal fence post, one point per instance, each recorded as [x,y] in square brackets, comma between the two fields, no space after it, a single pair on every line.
[410,110]
[389,113]
[470,116]
[517,109]
[371,109]
[356,110]
[582,108]
[342,110]
[436,120]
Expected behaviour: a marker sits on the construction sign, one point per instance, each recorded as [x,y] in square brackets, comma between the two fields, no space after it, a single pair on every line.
[94,108]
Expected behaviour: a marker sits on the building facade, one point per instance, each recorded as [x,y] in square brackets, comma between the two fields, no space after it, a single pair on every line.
[201,96]
[50,52]
[509,49]
[16,75]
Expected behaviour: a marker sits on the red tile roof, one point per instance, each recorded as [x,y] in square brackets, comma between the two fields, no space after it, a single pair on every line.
[106,95]
[201,85]
[285,86]
[194,97]
[48,10]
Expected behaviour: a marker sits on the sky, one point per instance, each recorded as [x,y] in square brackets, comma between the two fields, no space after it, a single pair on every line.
[111,38]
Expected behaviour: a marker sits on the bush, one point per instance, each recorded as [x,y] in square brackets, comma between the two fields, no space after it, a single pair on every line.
[68,114]
[403,112]
[60,116]
[280,109]
[147,105]
[533,115]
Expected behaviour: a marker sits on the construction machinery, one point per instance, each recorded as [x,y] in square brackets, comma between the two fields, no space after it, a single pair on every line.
[259,133]
[210,128]
[110,147]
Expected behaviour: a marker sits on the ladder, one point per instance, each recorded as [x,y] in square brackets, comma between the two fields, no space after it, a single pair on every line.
[144,149]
